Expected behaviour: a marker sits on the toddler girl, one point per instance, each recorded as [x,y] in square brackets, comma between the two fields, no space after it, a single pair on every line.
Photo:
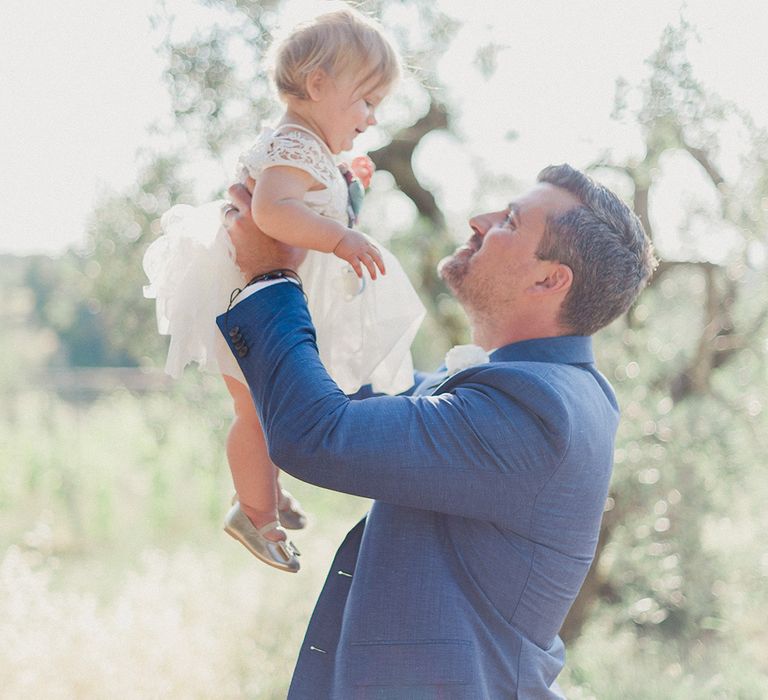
[331,74]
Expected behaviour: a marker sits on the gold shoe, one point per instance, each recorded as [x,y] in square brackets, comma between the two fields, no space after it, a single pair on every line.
[281,554]
[292,517]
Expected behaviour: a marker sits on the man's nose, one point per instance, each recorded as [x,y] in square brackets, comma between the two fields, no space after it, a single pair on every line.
[480,224]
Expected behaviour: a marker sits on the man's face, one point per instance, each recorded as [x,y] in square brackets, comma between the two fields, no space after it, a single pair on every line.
[498,263]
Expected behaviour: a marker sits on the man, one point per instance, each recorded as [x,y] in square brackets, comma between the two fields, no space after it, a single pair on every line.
[489,485]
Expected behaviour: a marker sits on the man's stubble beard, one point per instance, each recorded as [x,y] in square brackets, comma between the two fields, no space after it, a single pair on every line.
[452,270]
[474,295]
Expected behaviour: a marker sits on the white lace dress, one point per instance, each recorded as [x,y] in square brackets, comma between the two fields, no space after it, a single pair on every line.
[364,330]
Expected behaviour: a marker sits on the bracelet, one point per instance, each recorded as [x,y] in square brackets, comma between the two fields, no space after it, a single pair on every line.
[280,274]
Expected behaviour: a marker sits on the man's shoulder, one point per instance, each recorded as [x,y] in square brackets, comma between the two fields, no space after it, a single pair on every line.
[532,387]
[526,373]
[544,388]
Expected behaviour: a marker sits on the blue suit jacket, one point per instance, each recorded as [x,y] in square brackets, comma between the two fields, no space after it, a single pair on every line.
[488,499]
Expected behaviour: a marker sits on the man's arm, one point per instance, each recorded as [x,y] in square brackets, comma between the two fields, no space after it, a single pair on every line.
[453,453]
[478,451]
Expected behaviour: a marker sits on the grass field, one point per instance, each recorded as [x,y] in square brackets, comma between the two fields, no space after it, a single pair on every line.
[116,580]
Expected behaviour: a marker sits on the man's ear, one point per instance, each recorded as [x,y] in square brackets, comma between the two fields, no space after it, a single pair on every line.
[316,84]
[558,279]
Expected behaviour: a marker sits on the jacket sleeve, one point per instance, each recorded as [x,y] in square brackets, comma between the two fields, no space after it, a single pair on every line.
[475,450]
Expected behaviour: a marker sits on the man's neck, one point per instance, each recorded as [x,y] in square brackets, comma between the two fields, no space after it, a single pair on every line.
[489,337]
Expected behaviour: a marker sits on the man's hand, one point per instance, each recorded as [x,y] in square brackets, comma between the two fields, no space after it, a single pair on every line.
[256,252]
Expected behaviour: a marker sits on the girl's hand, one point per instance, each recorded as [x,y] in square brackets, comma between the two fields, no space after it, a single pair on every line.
[357,250]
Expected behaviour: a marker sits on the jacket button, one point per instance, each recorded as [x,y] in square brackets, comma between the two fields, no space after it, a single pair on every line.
[242,350]
[235,330]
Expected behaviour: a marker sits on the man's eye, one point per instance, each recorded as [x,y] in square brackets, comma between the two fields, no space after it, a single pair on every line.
[509,220]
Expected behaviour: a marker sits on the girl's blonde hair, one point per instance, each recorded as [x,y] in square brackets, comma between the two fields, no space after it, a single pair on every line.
[338,43]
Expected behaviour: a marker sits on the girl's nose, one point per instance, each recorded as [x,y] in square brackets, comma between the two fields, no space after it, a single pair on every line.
[372,119]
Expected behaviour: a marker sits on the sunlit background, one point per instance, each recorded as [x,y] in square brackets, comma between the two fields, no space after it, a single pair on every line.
[115,578]
[82,85]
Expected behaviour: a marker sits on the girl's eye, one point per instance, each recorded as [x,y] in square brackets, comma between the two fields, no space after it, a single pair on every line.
[509,220]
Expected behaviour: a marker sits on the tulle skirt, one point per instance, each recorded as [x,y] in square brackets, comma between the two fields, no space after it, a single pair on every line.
[364,328]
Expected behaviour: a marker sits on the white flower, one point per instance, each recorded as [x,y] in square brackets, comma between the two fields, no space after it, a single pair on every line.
[462,356]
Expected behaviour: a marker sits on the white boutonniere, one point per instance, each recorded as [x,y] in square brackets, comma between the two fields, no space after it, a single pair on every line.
[462,356]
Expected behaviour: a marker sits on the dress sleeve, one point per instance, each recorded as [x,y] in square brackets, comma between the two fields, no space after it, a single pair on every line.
[295,149]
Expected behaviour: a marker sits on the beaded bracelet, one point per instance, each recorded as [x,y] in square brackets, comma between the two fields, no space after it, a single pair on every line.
[280,274]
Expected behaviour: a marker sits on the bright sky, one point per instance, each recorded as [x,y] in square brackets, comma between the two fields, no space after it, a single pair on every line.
[80,84]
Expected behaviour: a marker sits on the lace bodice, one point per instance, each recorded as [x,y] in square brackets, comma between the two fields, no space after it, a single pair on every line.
[363,335]
[297,147]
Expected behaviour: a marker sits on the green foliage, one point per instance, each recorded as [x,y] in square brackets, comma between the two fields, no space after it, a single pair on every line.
[213,98]
[121,228]
[679,470]
[689,368]
[114,570]
[94,467]
[91,298]
[24,345]
[120,465]
[610,665]
[683,574]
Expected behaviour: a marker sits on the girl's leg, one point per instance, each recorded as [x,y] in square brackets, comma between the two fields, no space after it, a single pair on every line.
[253,473]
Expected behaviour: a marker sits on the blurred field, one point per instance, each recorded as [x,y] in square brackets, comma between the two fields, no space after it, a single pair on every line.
[117,582]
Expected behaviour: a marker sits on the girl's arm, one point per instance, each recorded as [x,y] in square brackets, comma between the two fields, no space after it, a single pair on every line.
[278,209]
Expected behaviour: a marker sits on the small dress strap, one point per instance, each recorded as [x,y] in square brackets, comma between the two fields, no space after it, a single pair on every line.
[299,147]
[316,136]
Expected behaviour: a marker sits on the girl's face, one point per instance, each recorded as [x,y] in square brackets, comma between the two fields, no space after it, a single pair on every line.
[344,109]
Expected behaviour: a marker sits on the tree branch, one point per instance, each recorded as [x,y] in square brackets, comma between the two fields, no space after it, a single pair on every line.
[702,157]
[397,156]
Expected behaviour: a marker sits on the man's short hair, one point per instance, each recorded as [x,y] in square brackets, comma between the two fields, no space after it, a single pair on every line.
[604,244]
